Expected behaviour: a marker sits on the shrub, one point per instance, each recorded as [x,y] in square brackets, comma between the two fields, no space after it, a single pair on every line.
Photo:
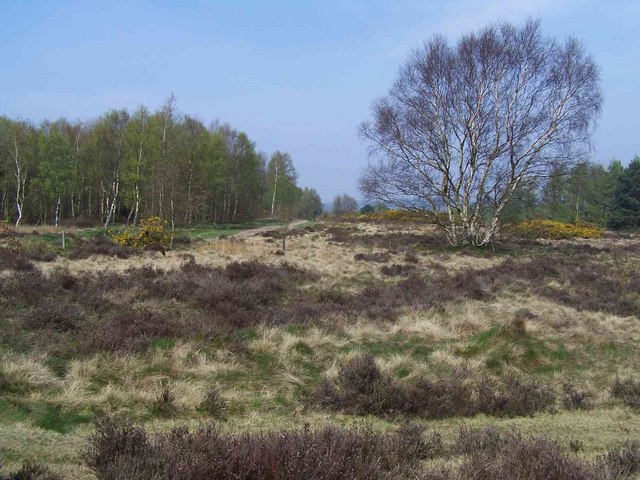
[517,458]
[622,462]
[472,440]
[151,235]
[442,398]
[118,450]
[363,389]
[397,270]
[32,471]
[130,331]
[213,404]
[514,398]
[574,399]
[123,451]
[553,230]
[165,403]
[38,251]
[396,216]
[100,245]
[382,216]
[627,390]
[380,257]
[11,259]
[56,314]
[81,222]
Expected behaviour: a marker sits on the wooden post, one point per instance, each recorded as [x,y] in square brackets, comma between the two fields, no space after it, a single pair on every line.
[63,244]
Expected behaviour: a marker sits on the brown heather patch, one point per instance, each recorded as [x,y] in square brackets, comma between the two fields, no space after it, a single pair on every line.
[124,451]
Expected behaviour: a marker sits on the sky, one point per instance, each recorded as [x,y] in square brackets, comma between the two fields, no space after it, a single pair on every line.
[296,75]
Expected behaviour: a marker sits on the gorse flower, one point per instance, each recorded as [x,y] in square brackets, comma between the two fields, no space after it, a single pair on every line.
[151,234]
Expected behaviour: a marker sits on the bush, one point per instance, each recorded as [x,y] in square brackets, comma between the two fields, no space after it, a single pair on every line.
[31,471]
[574,399]
[622,462]
[361,388]
[119,451]
[517,458]
[11,259]
[151,235]
[130,331]
[55,314]
[165,402]
[38,251]
[627,390]
[394,216]
[553,230]
[380,257]
[397,270]
[442,398]
[100,245]
[471,440]
[213,404]
[515,398]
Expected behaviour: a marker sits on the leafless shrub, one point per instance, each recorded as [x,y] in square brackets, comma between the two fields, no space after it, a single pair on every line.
[627,390]
[130,331]
[32,471]
[471,440]
[514,398]
[55,314]
[397,270]
[622,462]
[100,245]
[518,458]
[14,260]
[124,451]
[574,399]
[213,403]
[380,257]
[442,398]
[165,402]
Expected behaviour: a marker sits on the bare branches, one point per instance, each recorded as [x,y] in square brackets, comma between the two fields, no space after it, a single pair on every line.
[464,124]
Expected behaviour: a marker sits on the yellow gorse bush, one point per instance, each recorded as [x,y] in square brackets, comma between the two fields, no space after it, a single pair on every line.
[554,230]
[152,233]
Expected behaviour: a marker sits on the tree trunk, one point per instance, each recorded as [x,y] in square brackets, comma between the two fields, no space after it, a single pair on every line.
[56,216]
[275,189]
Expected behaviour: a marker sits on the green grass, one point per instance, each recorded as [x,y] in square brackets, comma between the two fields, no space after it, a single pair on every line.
[417,347]
[522,350]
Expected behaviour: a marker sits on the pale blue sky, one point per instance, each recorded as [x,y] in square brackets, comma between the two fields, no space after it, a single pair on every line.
[295,75]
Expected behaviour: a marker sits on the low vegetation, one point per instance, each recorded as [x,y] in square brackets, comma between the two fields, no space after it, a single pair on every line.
[552,229]
[366,350]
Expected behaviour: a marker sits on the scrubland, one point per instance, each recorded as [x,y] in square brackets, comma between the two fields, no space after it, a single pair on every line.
[361,351]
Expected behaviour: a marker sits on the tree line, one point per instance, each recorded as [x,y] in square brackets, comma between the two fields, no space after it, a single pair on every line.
[586,191]
[124,166]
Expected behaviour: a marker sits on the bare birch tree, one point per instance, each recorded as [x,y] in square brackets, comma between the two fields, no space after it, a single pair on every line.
[463,125]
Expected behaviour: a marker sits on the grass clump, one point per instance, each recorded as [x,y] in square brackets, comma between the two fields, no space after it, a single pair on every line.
[165,403]
[213,404]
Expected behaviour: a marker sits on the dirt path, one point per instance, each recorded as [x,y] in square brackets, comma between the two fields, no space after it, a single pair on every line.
[269,228]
